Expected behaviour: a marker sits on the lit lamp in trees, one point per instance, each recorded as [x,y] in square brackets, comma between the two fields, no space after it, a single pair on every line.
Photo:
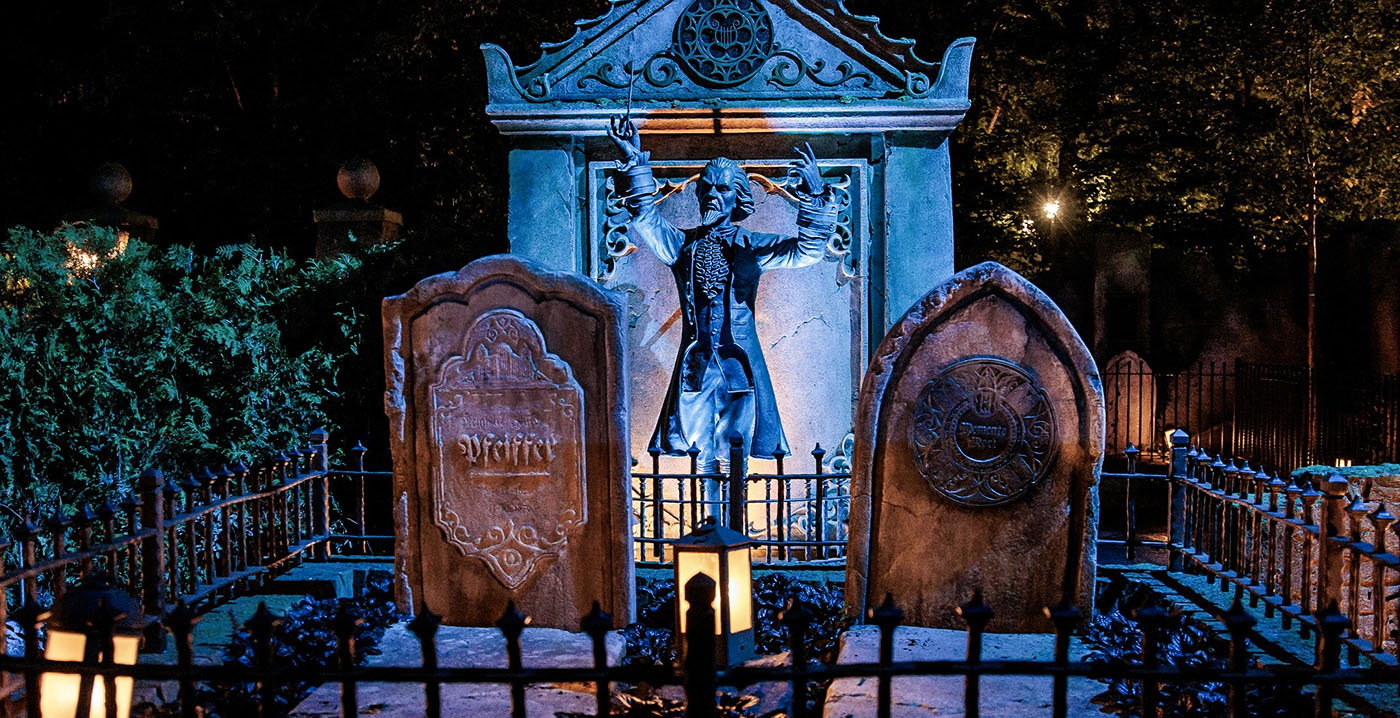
[722,554]
[79,629]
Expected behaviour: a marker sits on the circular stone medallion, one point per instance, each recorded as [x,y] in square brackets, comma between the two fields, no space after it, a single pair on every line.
[983,433]
[723,42]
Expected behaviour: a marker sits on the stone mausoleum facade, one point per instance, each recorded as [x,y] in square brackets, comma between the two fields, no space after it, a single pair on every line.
[748,80]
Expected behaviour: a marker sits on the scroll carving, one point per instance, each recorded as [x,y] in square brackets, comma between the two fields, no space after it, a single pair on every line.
[507,423]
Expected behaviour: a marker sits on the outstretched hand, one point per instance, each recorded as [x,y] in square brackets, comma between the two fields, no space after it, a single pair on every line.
[624,134]
[806,171]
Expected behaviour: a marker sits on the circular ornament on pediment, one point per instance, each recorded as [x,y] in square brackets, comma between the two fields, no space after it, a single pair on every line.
[983,432]
[723,42]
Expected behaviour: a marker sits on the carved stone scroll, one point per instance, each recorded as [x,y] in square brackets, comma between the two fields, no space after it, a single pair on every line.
[507,419]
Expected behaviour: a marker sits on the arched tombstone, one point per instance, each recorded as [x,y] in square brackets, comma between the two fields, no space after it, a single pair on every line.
[979,441]
[507,409]
[1130,403]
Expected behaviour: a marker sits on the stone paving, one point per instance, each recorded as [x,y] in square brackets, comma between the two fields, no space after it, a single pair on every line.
[1270,643]
[942,696]
[462,647]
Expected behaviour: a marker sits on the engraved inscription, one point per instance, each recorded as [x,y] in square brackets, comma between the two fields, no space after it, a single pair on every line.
[507,424]
[982,432]
[527,455]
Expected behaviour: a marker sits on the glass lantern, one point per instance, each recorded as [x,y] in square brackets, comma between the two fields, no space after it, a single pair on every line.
[62,694]
[723,555]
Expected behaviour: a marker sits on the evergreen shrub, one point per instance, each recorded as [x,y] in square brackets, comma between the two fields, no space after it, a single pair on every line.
[117,355]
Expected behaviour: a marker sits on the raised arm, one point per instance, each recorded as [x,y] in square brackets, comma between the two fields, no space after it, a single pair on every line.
[636,185]
[816,220]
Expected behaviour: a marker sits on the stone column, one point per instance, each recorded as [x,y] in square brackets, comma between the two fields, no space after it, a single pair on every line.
[544,220]
[918,218]
[111,185]
[358,180]
[1332,540]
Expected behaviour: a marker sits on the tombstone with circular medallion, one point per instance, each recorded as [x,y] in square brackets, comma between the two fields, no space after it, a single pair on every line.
[979,440]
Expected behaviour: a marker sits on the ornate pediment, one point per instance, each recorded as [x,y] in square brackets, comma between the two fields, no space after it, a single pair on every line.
[761,65]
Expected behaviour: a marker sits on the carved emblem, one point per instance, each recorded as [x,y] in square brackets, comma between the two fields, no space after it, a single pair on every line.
[723,42]
[983,433]
[507,422]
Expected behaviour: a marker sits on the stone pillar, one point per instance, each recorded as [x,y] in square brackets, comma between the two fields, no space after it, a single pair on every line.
[918,218]
[111,185]
[1332,540]
[358,180]
[544,214]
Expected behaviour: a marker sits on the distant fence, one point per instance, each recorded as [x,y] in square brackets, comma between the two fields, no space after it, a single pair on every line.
[697,672]
[1263,412]
[192,539]
[1141,405]
[790,517]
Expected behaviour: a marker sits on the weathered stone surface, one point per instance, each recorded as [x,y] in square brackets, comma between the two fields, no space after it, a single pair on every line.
[508,426]
[918,696]
[979,441]
[877,114]
[1130,403]
[463,647]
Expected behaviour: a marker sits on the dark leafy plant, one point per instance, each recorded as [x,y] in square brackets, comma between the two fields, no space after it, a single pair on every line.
[1118,640]
[649,640]
[774,592]
[305,637]
[116,356]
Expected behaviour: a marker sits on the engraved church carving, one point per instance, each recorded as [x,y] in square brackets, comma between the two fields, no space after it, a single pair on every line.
[507,424]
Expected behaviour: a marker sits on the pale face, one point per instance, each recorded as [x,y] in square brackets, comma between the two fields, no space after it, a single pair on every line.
[717,197]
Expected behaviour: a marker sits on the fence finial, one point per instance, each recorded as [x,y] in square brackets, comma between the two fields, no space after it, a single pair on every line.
[512,622]
[976,612]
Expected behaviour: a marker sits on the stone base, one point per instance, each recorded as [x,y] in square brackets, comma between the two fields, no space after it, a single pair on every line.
[918,696]
[462,647]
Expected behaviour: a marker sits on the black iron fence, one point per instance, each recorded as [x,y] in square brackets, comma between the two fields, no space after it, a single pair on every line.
[196,539]
[697,672]
[1306,549]
[1143,406]
[790,517]
[1134,493]
[1271,414]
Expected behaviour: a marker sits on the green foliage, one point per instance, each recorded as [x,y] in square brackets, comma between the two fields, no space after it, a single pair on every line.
[1215,127]
[116,356]
[1117,640]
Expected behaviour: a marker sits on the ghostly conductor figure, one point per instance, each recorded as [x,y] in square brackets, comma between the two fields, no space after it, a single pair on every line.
[720,385]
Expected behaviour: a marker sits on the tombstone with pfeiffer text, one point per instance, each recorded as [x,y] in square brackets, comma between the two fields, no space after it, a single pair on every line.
[507,407]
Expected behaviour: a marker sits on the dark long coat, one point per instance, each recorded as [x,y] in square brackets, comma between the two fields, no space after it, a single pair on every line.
[729,319]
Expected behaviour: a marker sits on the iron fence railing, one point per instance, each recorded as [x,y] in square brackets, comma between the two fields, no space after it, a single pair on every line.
[1136,488]
[195,539]
[1303,548]
[1143,406]
[697,672]
[1281,416]
[790,517]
